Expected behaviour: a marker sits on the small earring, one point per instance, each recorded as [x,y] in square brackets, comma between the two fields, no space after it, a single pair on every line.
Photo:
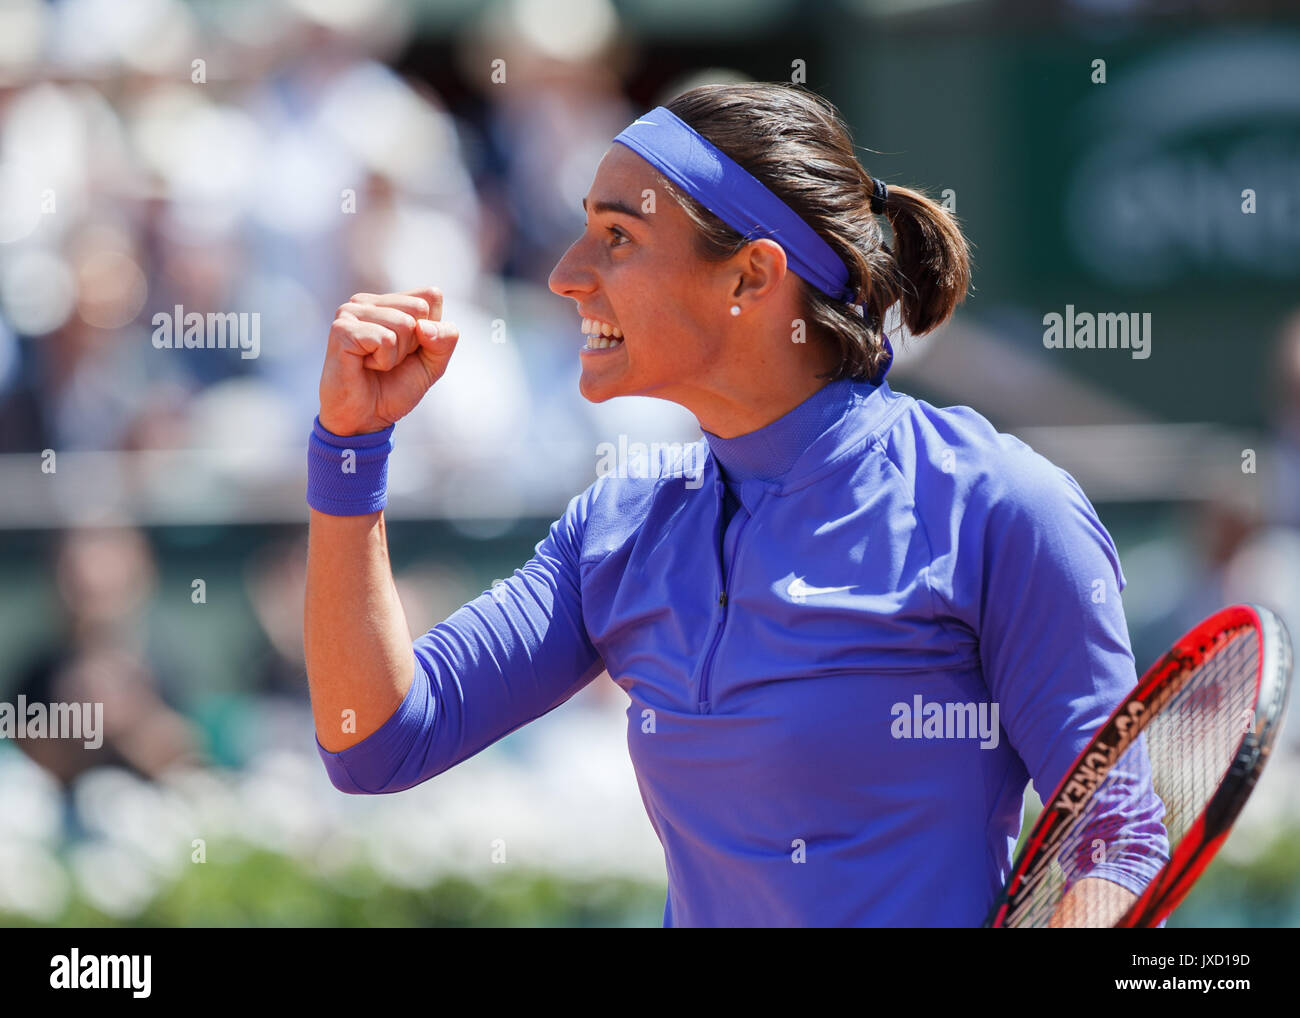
[735,310]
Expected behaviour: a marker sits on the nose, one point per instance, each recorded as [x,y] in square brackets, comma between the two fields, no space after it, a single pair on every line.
[567,278]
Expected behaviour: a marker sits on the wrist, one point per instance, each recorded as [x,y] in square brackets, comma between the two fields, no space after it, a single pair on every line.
[354,440]
[340,430]
[347,475]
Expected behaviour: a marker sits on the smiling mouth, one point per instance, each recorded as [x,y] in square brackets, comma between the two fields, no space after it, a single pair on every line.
[601,335]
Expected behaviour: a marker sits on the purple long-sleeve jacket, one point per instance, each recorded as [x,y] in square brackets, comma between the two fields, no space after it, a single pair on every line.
[837,690]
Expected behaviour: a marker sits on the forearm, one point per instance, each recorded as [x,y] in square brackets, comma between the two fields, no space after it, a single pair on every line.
[358,647]
[1092,903]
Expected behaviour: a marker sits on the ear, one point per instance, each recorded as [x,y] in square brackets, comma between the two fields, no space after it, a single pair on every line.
[759,269]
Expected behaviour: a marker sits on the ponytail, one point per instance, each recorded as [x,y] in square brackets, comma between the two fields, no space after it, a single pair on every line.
[932,259]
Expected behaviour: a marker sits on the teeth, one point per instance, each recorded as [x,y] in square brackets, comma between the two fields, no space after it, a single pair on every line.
[601,335]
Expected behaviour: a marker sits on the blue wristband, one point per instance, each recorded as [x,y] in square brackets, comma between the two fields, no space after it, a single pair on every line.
[347,475]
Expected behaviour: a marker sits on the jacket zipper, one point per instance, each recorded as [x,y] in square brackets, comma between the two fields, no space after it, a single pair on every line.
[724,582]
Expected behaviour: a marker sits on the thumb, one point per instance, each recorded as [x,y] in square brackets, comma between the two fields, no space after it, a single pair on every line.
[437,343]
[405,385]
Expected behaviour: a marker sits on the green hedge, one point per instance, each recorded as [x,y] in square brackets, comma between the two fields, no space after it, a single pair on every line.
[266,889]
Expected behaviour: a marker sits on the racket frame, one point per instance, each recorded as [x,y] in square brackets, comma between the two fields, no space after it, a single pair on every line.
[1126,723]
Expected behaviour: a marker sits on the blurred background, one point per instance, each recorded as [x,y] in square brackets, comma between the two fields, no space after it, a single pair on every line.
[271,158]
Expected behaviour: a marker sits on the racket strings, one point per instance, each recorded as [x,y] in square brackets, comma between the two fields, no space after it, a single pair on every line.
[1213,713]
[1150,797]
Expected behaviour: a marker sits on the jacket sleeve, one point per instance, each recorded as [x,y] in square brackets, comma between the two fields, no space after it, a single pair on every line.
[1055,651]
[507,657]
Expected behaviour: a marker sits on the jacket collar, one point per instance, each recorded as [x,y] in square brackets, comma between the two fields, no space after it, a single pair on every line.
[830,425]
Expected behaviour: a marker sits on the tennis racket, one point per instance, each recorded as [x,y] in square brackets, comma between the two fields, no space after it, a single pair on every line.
[1147,804]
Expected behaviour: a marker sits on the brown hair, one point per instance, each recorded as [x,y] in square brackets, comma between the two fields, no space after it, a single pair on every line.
[795,142]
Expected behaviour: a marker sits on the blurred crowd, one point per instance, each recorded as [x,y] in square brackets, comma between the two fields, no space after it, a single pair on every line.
[266,158]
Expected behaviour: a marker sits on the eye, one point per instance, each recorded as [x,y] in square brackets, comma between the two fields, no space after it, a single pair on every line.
[618,233]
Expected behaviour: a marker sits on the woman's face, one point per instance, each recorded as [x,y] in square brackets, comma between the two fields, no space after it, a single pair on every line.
[638,270]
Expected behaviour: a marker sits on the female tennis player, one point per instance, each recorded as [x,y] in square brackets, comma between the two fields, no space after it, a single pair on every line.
[848,642]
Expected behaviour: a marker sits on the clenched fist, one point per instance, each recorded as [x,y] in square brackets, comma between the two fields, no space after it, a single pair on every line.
[384,353]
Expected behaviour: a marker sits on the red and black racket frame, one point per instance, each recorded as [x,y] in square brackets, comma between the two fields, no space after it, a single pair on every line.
[1161,681]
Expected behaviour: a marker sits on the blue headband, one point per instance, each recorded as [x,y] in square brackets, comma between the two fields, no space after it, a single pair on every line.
[739,199]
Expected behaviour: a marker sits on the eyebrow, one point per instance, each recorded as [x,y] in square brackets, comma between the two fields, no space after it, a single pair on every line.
[614,206]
